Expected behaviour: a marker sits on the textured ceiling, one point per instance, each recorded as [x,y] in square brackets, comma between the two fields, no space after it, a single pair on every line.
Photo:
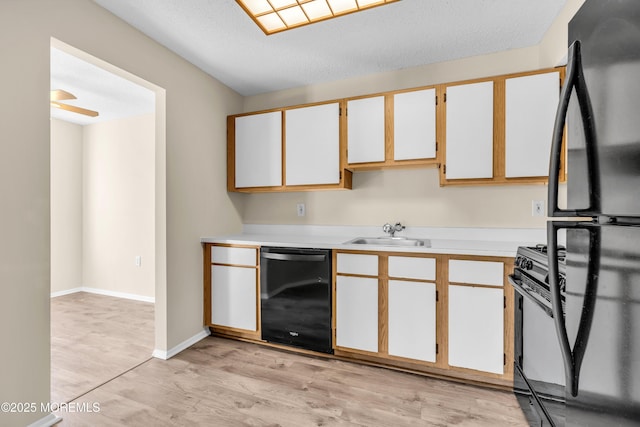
[96,89]
[221,39]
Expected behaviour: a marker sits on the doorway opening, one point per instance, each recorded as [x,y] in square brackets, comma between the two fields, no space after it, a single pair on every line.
[108,240]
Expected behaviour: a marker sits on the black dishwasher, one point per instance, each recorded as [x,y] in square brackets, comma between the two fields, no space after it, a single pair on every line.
[295,295]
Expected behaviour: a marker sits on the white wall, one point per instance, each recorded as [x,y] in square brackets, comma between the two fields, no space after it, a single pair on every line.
[66,205]
[197,203]
[118,206]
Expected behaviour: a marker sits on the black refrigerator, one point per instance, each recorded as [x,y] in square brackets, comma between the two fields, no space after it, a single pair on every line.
[599,326]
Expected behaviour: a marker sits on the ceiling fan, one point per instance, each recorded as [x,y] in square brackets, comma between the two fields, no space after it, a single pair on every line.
[61,95]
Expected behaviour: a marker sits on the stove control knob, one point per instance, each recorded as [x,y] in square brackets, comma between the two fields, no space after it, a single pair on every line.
[563,284]
[528,265]
[518,261]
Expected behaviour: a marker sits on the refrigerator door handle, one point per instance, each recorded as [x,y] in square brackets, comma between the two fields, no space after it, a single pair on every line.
[574,79]
[573,357]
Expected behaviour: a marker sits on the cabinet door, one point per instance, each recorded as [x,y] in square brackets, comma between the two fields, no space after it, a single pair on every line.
[414,125]
[412,320]
[476,328]
[234,297]
[365,130]
[531,103]
[258,146]
[469,131]
[357,313]
[313,145]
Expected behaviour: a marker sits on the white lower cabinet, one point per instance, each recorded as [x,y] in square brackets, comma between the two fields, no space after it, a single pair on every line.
[234,297]
[476,328]
[357,313]
[412,320]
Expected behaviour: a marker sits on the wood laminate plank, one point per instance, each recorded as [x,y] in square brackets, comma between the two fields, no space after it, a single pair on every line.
[95,338]
[220,382]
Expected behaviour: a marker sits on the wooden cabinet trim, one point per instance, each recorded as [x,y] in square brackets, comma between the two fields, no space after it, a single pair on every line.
[208,264]
[236,333]
[382,358]
[206,314]
[475,285]
[345,180]
[383,305]
[508,312]
[499,147]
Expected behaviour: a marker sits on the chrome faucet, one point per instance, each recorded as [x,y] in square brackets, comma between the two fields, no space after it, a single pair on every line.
[392,229]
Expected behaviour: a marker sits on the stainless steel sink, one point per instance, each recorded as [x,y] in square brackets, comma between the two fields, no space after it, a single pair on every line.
[390,241]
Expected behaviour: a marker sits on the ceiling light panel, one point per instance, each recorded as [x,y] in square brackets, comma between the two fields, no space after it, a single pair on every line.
[271,23]
[317,10]
[293,16]
[257,7]
[273,16]
[281,4]
[343,6]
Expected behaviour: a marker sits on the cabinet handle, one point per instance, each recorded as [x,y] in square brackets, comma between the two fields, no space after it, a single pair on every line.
[574,79]
[293,257]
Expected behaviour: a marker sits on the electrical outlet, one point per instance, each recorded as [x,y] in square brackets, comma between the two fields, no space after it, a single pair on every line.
[537,208]
[300,209]
[138,260]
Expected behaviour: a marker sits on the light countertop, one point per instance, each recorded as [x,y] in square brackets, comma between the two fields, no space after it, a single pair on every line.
[461,241]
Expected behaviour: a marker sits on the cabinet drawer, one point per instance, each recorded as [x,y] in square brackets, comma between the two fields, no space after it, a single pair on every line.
[412,268]
[476,272]
[366,265]
[234,256]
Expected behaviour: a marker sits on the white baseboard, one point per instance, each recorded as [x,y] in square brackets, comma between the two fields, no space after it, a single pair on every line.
[65,292]
[47,421]
[104,292]
[164,355]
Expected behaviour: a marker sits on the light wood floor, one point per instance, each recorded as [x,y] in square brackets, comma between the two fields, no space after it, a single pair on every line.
[95,338]
[220,382]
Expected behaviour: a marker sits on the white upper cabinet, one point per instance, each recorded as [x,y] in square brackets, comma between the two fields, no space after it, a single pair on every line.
[531,103]
[414,125]
[258,150]
[366,130]
[469,131]
[312,140]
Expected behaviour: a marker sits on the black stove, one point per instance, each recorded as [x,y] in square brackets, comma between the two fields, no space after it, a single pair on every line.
[538,367]
[531,274]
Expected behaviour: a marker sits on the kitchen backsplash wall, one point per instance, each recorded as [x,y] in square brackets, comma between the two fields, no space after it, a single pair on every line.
[412,196]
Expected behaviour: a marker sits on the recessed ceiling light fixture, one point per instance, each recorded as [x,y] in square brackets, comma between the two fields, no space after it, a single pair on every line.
[273,16]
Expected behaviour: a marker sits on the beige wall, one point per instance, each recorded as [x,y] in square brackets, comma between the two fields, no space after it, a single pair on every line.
[413,196]
[196,199]
[118,205]
[553,48]
[66,205]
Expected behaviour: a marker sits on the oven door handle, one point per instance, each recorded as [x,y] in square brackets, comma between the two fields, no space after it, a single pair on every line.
[574,78]
[294,257]
[517,285]
[573,357]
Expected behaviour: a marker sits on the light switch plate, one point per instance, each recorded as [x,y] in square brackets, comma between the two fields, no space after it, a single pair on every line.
[300,209]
